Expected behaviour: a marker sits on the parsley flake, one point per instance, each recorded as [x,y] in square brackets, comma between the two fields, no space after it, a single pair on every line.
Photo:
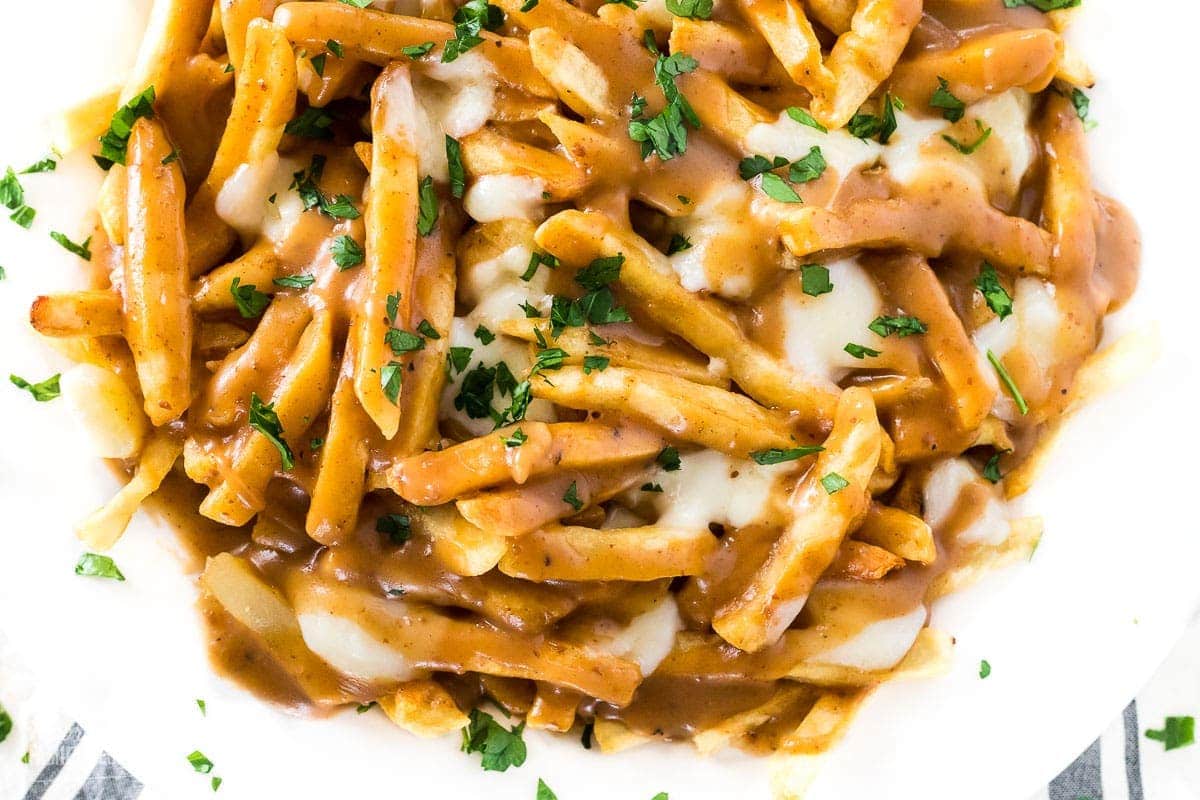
[250,301]
[997,297]
[43,392]
[264,420]
[1176,732]
[93,565]
[834,483]
[776,455]
[814,280]
[500,748]
[571,497]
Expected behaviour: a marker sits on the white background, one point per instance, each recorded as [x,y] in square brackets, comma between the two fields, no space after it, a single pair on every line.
[1070,637]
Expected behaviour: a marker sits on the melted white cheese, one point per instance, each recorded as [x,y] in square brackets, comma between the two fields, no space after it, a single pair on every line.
[714,487]
[455,99]
[713,217]
[492,198]
[943,487]
[817,329]
[244,202]
[1033,329]
[350,650]
[880,645]
[647,639]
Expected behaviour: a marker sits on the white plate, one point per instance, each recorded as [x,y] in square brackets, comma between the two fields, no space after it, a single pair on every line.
[1070,637]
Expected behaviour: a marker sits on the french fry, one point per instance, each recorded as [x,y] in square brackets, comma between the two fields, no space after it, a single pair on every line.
[84,313]
[380,38]
[465,548]
[173,35]
[433,303]
[84,122]
[302,391]
[342,464]
[553,708]
[580,237]
[826,722]
[566,553]
[489,153]
[105,526]
[157,304]
[258,267]
[391,243]
[983,65]
[424,709]
[737,55]
[731,730]
[438,477]
[264,102]
[929,225]
[983,559]
[235,18]
[779,589]
[521,510]
[578,79]
[614,736]
[704,415]
[899,532]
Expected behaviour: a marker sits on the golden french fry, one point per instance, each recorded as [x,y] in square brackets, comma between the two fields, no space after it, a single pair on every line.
[423,708]
[981,66]
[517,511]
[826,503]
[258,267]
[219,339]
[858,561]
[102,529]
[438,477]
[897,531]
[84,313]
[614,736]
[342,462]
[826,722]
[467,549]
[158,313]
[928,224]
[302,391]
[982,559]
[173,35]
[737,55]
[235,18]
[380,38]
[729,731]
[553,708]
[109,408]
[489,153]
[391,247]
[566,553]
[578,80]
[579,237]
[83,123]
[691,412]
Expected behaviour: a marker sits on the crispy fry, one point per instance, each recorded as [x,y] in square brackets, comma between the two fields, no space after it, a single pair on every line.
[439,477]
[779,589]
[906,535]
[158,314]
[342,466]
[423,708]
[102,529]
[858,561]
[488,153]
[86,313]
[563,553]
[258,267]
[704,415]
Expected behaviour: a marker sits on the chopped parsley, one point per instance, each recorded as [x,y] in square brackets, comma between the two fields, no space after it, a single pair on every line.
[1176,732]
[427,330]
[469,20]
[397,527]
[668,459]
[458,173]
[1043,5]
[692,9]
[985,669]
[216,783]
[549,359]
[427,212]
[997,297]
[600,272]
[776,455]
[336,48]
[814,280]
[678,244]
[536,260]
[23,216]
[200,704]
[84,250]
[318,64]
[1009,383]
[901,326]
[484,335]
[571,497]
[294,281]
[306,183]
[860,352]
[313,123]
[500,748]
[665,134]
[171,157]
[594,364]
[834,483]
[6,726]
[985,133]
[753,166]
[404,342]
[199,762]
[12,196]
[652,487]
[264,420]
[45,165]
[250,301]
[415,51]
[866,126]
[363,708]
[43,392]
[1083,106]
[952,108]
[528,5]
[777,188]
[115,141]
[991,470]
[808,168]
[544,792]
[515,439]
[391,378]
[475,395]
[93,565]
[803,170]
[804,118]
[458,358]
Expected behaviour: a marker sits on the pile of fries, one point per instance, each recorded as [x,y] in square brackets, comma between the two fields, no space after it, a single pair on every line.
[494,334]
